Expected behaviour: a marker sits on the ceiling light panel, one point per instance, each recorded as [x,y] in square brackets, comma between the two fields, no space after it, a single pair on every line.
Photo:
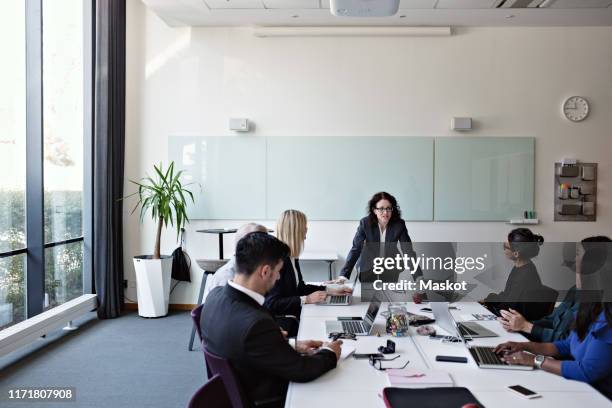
[536,3]
[465,4]
[234,4]
[291,4]
[520,4]
[576,4]
[417,4]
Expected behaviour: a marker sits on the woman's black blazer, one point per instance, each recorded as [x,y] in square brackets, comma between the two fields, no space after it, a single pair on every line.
[284,297]
[369,233]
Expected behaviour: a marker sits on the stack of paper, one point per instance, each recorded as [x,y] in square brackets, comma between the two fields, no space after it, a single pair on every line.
[414,378]
[347,350]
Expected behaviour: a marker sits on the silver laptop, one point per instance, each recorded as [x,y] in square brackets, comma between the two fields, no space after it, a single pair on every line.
[445,320]
[355,325]
[339,300]
[484,357]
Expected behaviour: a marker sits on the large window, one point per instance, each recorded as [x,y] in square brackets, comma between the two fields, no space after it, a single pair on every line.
[12,162]
[63,148]
[45,78]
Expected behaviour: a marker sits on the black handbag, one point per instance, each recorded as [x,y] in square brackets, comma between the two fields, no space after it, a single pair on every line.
[181,263]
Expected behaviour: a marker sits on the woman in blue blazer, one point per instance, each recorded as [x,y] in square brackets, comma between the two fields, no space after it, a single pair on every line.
[586,355]
[383,224]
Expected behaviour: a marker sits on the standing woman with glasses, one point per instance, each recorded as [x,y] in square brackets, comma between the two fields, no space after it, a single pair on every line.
[383,226]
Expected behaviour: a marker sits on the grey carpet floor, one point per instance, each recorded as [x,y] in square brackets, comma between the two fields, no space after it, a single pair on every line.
[125,362]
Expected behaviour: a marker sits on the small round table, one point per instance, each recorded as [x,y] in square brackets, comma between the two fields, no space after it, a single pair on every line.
[221,232]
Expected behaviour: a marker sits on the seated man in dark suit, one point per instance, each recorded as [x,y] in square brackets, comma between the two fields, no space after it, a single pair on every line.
[237,327]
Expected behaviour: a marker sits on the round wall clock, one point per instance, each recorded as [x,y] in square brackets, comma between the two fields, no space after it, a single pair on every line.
[576,108]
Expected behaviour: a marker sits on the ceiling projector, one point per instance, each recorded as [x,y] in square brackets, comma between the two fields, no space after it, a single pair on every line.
[364,8]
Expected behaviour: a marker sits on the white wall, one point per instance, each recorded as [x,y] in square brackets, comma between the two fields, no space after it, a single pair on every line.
[512,81]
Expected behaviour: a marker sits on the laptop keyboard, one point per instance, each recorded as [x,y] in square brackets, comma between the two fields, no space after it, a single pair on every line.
[336,299]
[466,331]
[353,327]
[486,355]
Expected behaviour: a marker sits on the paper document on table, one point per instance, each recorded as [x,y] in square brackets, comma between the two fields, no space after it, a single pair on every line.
[347,350]
[412,377]
[478,317]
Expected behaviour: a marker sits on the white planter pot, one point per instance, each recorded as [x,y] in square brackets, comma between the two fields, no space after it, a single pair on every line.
[153,285]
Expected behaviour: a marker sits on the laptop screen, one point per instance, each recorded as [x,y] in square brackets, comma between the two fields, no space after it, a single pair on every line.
[372,311]
[443,317]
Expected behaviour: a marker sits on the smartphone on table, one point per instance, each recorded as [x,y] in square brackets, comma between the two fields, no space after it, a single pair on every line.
[524,392]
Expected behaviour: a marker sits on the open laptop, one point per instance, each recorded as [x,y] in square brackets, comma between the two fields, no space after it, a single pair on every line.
[484,357]
[445,320]
[355,325]
[339,300]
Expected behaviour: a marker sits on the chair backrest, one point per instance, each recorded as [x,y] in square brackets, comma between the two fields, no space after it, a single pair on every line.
[211,394]
[549,294]
[547,297]
[195,316]
[220,366]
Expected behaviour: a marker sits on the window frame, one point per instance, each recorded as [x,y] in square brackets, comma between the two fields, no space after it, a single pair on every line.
[34,189]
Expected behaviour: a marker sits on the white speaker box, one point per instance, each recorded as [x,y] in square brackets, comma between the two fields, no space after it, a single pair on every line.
[461,124]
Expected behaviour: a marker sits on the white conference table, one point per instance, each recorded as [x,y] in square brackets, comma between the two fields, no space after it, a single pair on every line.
[355,383]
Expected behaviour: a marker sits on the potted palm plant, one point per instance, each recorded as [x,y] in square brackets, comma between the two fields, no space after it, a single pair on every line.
[166,198]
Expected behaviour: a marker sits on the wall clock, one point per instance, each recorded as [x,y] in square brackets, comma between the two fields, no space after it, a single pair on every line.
[576,108]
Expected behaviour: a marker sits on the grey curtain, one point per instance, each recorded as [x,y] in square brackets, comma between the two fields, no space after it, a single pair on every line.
[108,152]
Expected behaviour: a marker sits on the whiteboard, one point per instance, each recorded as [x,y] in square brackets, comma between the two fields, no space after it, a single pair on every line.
[332,178]
[483,179]
[229,173]
[328,178]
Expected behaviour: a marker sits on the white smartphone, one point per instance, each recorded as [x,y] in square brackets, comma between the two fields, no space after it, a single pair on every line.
[525,392]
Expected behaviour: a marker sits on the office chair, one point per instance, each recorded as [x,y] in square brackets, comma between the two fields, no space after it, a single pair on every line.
[222,367]
[213,393]
[195,316]
[548,297]
[209,266]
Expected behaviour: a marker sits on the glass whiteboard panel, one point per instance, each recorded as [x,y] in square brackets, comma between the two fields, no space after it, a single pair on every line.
[483,179]
[231,171]
[332,178]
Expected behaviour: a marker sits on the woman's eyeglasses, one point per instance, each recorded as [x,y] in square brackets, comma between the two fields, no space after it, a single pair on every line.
[377,363]
[384,209]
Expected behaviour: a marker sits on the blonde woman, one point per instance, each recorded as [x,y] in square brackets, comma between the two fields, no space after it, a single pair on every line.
[290,292]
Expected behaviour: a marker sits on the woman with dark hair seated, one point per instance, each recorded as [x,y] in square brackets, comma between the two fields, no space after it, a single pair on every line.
[524,283]
[557,325]
[587,352]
